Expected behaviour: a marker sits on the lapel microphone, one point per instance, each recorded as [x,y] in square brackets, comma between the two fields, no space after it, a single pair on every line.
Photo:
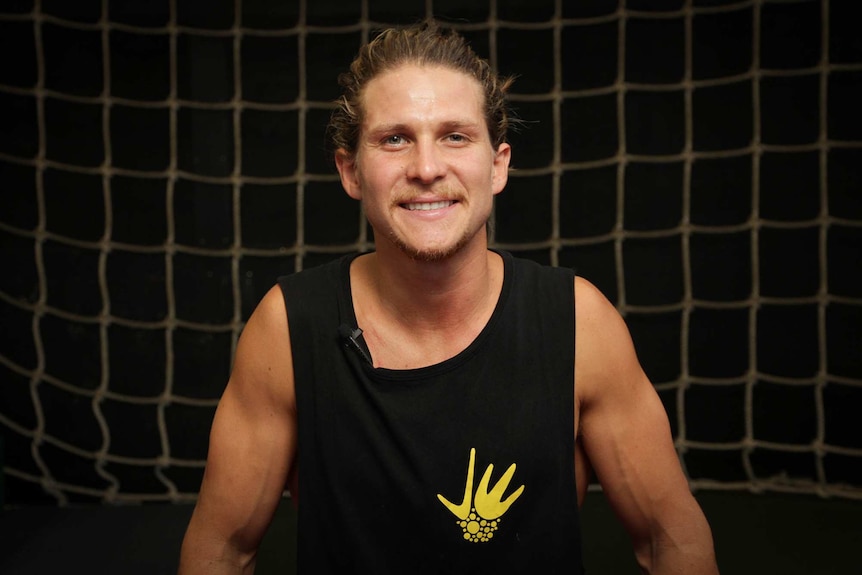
[352,338]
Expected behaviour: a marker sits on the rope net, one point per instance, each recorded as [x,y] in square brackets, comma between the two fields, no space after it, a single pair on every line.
[162,163]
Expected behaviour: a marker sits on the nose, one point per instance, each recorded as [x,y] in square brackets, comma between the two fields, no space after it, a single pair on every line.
[426,163]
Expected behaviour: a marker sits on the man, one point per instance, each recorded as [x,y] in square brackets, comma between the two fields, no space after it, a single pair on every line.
[435,406]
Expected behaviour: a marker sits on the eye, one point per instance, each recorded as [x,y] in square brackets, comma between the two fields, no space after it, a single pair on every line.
[457,138]
[393,140]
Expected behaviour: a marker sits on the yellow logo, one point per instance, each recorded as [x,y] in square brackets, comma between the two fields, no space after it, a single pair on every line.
[479,515]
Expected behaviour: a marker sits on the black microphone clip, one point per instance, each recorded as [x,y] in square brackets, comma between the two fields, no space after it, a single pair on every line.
[352,339]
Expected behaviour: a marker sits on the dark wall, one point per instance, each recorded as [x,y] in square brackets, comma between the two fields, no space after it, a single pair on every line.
[161,166]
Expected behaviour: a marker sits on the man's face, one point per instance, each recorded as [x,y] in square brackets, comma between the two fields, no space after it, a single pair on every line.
[424,166]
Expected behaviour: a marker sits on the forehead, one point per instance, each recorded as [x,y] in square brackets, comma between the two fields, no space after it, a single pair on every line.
[422,92]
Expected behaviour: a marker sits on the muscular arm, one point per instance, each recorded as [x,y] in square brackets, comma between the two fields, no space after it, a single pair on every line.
[626,436]
[251,450]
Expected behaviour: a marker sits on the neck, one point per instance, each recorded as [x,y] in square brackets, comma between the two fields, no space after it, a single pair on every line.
[435,293]
[419,313]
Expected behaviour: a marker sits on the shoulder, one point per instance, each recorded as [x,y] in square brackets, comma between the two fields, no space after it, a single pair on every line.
[526,267]
[324,274]
[594,312]
[269,317]
[312,294]
[263,363]
[541,283]
[604,352]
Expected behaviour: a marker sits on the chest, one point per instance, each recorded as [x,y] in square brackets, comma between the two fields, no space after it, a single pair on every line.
[400,348]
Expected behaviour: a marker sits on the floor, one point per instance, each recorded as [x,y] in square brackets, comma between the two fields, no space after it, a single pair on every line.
[754,534]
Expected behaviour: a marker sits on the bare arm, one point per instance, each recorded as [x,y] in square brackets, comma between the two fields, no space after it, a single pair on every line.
[251,450]
[625,432]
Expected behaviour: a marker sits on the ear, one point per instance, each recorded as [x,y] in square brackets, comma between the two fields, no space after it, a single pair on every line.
[500,167]
[347,169]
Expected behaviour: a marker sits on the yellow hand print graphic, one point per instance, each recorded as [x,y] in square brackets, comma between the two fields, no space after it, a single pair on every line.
[479,515]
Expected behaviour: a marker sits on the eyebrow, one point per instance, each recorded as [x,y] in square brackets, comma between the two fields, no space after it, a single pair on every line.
[386,129]
[462,125]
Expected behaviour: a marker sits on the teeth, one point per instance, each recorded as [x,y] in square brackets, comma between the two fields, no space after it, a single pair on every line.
[428,205]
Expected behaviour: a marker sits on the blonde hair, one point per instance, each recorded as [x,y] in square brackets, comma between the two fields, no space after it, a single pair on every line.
[422,44]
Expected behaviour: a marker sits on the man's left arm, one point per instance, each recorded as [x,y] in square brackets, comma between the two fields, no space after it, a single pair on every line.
[625,433]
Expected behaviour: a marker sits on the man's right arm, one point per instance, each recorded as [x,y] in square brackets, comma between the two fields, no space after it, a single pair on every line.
[251,451]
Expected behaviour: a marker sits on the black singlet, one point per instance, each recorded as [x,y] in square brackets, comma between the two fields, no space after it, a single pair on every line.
[466,466]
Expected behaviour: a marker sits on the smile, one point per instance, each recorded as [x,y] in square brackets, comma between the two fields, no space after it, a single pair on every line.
[425,206]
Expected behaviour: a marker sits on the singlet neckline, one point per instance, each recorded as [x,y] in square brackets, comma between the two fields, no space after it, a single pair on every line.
[419,373]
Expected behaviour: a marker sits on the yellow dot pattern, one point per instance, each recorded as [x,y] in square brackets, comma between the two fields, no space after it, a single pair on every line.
[477,529]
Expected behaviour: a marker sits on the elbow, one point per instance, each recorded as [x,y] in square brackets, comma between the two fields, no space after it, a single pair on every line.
[202,554]
[683,547]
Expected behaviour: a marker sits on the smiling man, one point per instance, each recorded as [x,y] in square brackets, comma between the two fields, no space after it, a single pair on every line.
[436,406]
[424,164]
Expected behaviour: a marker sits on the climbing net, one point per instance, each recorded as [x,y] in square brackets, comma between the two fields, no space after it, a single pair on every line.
[696,160]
